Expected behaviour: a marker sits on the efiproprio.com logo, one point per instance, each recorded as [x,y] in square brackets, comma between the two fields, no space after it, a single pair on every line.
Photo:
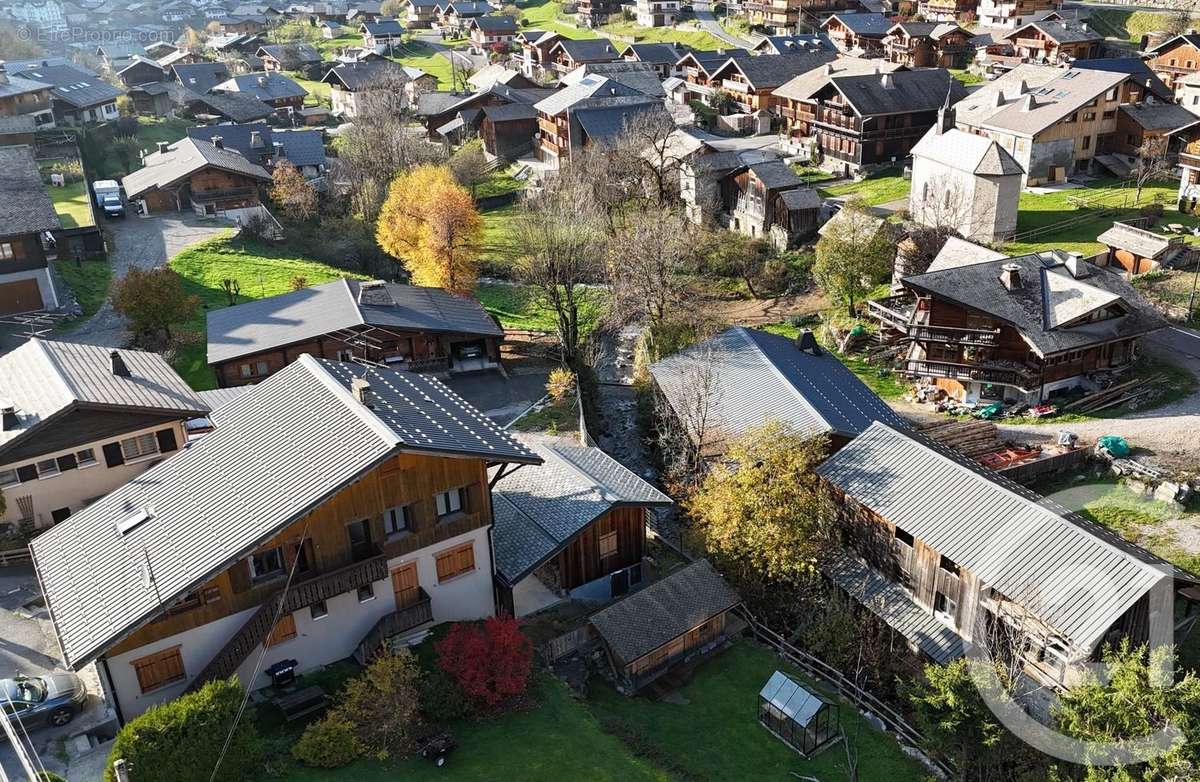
[1073,584]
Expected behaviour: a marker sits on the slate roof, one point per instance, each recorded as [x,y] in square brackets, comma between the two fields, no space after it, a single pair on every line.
[495,24]
[382,28]
[1056,93]
[539,510]
[264,86]
[17,123]
[25,205]
[960,252]
[605,123]
[866,25]
[914,29]
[355,76]
[655,53]
[18,85]
[293,317]
[1158,116]
[966,152]
[801,198]
[234,106]
[1192,39]
[510,112]
[895,606]
[639,76]
[594,50]
[1074,575]
[300,147]
[776,174]
[1036,306]
[276,453]
[1133,66]
[651,617]
[771,71]
[1057,31]
[291,55]
[78,89]
[910,91]
[182,159]
[805,85]
[781,44]
[756,377]
[591,86]
[140,60]
[45,379]
[200,77]
[1139,241]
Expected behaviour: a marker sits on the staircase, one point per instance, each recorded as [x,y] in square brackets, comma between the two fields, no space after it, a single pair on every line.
[375,642]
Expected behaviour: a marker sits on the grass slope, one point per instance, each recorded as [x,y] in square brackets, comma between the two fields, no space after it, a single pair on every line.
[548,15]
[879,188]
[1130,25]
[520,307]
[419,54]
[694,38]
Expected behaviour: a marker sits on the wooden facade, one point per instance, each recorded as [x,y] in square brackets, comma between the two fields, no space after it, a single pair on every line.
[950,50]
[783,16]
[1035,45]
[846,39]
[329,548]
[208,191]
[1176,59]
[613,542]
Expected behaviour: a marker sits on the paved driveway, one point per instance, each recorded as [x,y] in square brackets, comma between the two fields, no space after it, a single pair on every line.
[144,243]
[704,15]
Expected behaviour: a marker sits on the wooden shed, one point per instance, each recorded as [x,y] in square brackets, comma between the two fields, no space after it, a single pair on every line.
[1137,250]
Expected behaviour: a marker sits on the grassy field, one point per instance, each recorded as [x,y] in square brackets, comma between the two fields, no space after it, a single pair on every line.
[261,271]
[88,282]
[878,188]
[694,38]
[71,204]
[1130,25]
[885,383]
[547,15]
[499,182]
[151,130]
[519,307]
[1173,286]
[331,46]
[318,91]
[497,234]
[966,77]
[419,54]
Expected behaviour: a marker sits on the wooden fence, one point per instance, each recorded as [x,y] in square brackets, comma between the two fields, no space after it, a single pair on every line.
[557,648]
[16,556]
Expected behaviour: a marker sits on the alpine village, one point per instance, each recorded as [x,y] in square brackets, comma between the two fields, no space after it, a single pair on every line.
[600,390]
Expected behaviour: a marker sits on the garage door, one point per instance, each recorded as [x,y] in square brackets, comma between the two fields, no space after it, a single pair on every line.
[20,296]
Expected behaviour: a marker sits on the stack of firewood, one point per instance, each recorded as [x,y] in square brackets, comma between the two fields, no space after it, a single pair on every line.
[1137,390]
[972,439]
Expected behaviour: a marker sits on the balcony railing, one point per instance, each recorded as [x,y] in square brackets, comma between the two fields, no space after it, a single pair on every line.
[391,625]
[1192,161]
[221,195]
[736,86]
[1010,376]
[894,311]
[951,335]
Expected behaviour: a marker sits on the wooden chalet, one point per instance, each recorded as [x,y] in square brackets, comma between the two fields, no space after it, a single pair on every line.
[928,45]
[593,13]
[753,80]
[380,533]
[289,57]
[200,175]
[566,55]
[1138,250]
[945,552]
[945,10]
[1176,58]
[27,222]
[859,34]
[783,17]
[492,30]
[1055,43]
[381,34]
[274,89]
[1016,329]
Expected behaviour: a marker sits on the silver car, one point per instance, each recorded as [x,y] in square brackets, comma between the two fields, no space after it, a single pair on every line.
[37,701]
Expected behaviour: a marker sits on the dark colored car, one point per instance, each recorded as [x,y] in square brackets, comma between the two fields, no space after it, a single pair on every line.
[38,701]
[112,206]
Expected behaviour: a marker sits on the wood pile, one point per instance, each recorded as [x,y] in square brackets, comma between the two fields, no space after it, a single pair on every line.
[972,439]
[1123,393]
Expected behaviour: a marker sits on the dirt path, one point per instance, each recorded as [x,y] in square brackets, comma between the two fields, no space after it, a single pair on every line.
[757,312]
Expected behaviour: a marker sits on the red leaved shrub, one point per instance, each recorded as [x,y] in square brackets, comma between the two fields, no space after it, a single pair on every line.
[490,662]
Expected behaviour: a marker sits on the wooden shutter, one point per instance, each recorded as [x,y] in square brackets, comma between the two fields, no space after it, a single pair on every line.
[455,562]
[113,456]
[405,585]
[284,630]
[159,669]
[239,576]
[166,440]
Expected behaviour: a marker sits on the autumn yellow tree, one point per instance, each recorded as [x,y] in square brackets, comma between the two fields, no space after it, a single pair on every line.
[431,224]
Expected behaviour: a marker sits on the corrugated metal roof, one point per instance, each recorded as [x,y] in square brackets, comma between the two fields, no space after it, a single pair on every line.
[539,510]
[43,378]
[277,452]
[647,619]
[756,377]
[1076,576]
[895,606]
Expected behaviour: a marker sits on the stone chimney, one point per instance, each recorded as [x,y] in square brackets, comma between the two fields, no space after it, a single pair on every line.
[256,138]
[361,388]
[887,81]
[1076,265]
[998,99]
[1010,276]
[163,147]
[218,142]
[806,342]
[117,364]
[1029,104]
[8,416]
[828,69]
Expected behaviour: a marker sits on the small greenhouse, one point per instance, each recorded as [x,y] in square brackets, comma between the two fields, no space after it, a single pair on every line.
[804,720]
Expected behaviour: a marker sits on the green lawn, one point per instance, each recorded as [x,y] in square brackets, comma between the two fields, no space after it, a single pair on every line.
[331,46]
[966,77]
[879,188]
[713,734]
[88,282]
[421,55]
[151,130]
[318,91]
[261,271]
[498,241]
[548,15]
[71,204]
[884,382]
[519,307]
[1130,25]
[694,38]
[499,182]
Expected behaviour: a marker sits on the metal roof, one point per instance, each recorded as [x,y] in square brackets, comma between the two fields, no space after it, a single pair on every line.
[771,71]
[804,85]
[264,86]
[756,377]
[1139,241]
[200,77]
[900,92]
[539,510]
[302,147]
[80,90]
[43,378]
[277,452]
[25,205]
[864,24]
[895,606]
[786,694]
[642,622]
[1075,576]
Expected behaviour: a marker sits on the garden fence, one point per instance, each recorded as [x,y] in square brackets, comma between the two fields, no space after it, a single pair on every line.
[17,556]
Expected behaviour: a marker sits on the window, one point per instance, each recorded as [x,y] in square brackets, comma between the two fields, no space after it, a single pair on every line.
[48,468]
[366,593]
[318,610]
[945,608]
[6,251]
[359,533]
[1111,94]
[449,502]
[9,478]
[140,447]
[284,630]
[1110,114]
[1089,116]
[1071,118]
[398,520]
[902,546]
[455,562]
[345,355]
[266,563]
[60,515]
[159,669]
[608,544]
[85,458]
[254,369]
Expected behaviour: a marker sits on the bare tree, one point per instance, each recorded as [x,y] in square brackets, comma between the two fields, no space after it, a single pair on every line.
[657,150]
[469,165]
[647,260]
[687,429]
[1152,164]
[1180,21]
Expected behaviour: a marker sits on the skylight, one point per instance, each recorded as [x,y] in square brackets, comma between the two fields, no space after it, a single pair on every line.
[130,523]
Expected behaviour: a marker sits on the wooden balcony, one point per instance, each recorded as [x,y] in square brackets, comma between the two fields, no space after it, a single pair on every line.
[1004,375]
[1191,161]
[894,312]
[391,625]
[203,196]
[950,335]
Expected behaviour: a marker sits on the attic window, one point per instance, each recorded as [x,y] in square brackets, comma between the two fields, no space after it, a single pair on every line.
[130,523]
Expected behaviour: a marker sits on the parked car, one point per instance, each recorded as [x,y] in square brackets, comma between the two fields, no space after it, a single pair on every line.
[38,701]
[112,206]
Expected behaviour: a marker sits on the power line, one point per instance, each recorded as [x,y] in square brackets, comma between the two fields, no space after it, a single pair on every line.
[18,748]
[32,748]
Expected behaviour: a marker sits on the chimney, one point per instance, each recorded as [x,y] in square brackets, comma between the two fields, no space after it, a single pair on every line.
[163,146]
[886,81]
[878,66]
[998,99]
[1028,104]
[256,138]
[806,342]
[3,75]
[118,364]
[218,142]
[1010,276]
[828,69]
[262,81]
[277,146]
[8,416]
[1022,88]
[1083,26]
[361,388]
[1076,265]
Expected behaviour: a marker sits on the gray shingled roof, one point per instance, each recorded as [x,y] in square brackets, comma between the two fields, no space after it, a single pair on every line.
[1134,66]
[805,85]
[1074,575]
[967,152]
[780,44]
[264,86]
[233,105]
[863,24]
[591,86]
[17,123]
[771,71]
[44,379]
[293,317]
[591,50]
[276,453]
[647,619]
[1057,31]
[900,92]
[605,123]
[960,252]
[18,85]
[25,206]
[639,76]
[757,377]
[184,158]
[291,55]
[355,76]
[1159,116]
[200,77]
[776,174]
[382,28]
[1139,241]
[1036,307]
[498,23]
[895,606]
[78,89]
[539,510]
[302,147]
[655,53]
